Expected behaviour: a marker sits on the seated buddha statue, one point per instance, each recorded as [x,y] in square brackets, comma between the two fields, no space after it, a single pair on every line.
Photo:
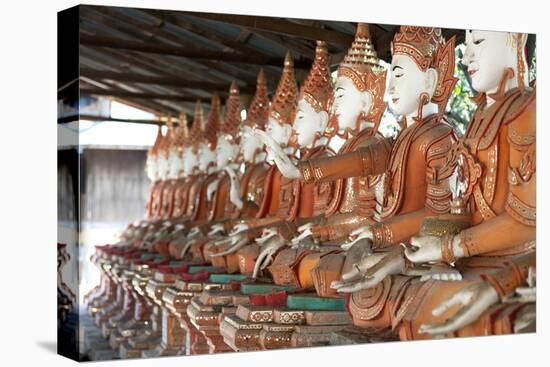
[356,111]
[248,187]
[223,194]
[136,230]
[497,164]
[201,160]
[282,200]
[300,203]
[174,193]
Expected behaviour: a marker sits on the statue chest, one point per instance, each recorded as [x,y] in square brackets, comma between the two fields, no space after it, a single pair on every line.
[488,151]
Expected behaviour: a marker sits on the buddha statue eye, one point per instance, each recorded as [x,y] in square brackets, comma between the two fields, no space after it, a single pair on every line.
[479,41]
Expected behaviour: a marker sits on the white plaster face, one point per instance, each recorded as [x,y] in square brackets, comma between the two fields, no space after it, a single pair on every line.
[487,55]
[308,123]
[206,157]
[407,83]
[163,166]
[151,167]
[279,133]
[190,160]
[348,103]
[225,152]
[175,162]
[250,144]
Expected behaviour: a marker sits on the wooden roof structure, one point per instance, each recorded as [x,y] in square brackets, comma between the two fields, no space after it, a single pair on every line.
[163,61]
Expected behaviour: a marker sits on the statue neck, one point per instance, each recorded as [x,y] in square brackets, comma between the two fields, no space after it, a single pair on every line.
[260,157]
[428,109]
[507,82]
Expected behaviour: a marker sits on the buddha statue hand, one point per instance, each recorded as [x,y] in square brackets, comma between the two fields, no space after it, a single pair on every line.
[235,189]
[211,189]
[215,229]
[305,232]
[431,249]
[238,228]
[236,242]
[370,272]
[267,234]
[186,248]
[437,272]
[526,319]
[356,236]
[472,300]
[269,249]
[283,162]
[194,232]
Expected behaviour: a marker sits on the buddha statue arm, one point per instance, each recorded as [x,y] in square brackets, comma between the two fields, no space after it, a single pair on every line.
[513,275]
[398,228]
[366,161]
[339,226]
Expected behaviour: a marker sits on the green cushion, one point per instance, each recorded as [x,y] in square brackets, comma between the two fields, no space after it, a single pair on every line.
[226,278]
[314,302]
[197,268]
[255,288]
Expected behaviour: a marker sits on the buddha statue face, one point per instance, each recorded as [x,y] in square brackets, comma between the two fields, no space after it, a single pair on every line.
[487,55]
[163,166]
[349,103]
[176,163]
[407,83]
[250,144]
[151,167]
[206,157]
[308,123]
[226,152]
[279,132]
[189,161]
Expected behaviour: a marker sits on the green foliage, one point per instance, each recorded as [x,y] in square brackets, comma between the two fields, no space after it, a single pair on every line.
[460,107]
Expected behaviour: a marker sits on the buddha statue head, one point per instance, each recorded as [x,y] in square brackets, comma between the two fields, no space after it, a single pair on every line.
[162,158]
[283,106]
[256,118]
[489,55]
[175,155]
[422,70]
[227,144]
[207,144]
[191,150]
[151,166]
[311,115]
[358,98]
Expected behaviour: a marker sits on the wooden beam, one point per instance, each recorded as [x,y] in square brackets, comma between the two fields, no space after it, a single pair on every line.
[279,26]
[133,95]
[160,80]
[187,52]
[72,118]
[193,69]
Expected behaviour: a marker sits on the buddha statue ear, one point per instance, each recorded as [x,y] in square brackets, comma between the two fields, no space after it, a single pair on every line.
[366,103]
[431,82]
[323,120]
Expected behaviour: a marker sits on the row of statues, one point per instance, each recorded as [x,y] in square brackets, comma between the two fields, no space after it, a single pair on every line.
[427,234]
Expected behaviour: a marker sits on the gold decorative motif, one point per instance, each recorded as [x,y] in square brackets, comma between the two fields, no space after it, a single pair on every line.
[231,126]
[484,208]
[258,111]
[285,99]
[317,88]
[520,211]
